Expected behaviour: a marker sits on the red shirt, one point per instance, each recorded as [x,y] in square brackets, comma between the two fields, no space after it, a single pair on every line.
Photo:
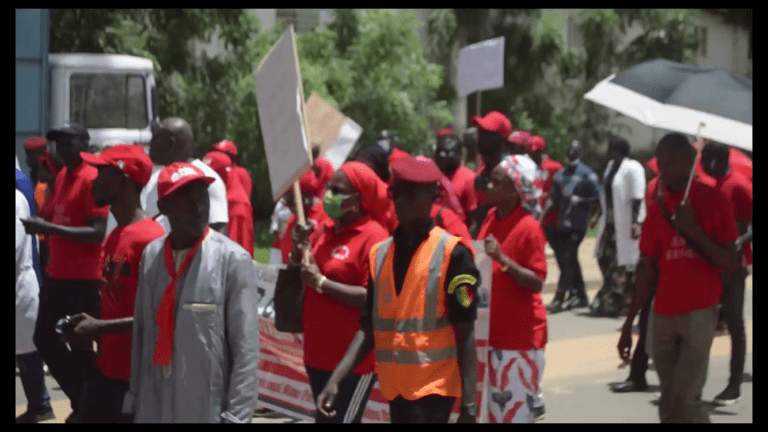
[518,316]
[450,222]
[738,189]
[240,225]
[119,279]
[245,179]
[686,281]
[330,325]
[548,169]
[463,182]
[316,216]
[72,205]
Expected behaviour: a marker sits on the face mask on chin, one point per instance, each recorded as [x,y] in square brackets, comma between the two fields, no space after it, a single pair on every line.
[384,144]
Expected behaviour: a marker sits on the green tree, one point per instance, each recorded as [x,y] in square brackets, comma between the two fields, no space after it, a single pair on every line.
[545,79]
[368,64]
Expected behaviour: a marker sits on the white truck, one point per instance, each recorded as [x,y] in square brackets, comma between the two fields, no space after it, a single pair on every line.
[113,95]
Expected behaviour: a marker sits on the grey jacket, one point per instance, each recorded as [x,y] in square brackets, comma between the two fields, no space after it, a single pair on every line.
[216,340]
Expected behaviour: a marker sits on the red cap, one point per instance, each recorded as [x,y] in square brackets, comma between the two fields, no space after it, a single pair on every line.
[494,121]
[536,143]
[217,160]
[177,175]
[35,143]
[417,169]
[520,137]
[442,132]
[129,158]
[225,146]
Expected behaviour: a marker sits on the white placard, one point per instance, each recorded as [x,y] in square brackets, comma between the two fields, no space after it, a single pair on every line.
[348,135]
[279,103]
[481,66]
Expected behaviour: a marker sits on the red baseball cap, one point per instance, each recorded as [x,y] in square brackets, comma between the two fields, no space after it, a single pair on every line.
[417,169]
[177,175]
[225,146]
[35,143]
[129,158]
[442,132]
[536,143]
[494,121]
[520,137]
[217,160]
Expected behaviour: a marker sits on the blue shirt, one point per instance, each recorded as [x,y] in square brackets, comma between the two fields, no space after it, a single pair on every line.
[577,180]
[25,186]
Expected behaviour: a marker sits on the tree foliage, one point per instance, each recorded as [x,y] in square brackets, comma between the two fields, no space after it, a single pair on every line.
[368,64]
[545,78]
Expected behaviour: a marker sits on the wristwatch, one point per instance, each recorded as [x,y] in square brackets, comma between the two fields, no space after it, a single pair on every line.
[470,409]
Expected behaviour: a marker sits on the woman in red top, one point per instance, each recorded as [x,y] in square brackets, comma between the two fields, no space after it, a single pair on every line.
[518,323]
[240,225]
[337,283]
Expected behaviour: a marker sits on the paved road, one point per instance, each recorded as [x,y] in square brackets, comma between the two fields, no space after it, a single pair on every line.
[581,360]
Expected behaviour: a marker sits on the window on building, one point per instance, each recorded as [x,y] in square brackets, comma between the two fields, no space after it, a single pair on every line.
[303,20]
[701,35]
[108,101]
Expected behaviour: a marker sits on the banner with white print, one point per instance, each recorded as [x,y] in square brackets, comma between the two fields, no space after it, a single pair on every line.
[481,66]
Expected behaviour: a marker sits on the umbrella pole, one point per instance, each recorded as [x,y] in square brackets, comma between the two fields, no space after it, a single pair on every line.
[695,162]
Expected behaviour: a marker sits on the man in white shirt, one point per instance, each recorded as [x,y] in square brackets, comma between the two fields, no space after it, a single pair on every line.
[172,142]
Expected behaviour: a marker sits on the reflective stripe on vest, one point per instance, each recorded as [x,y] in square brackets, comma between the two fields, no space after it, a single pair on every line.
[414,325]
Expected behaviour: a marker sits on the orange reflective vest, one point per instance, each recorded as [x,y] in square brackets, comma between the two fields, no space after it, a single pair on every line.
[415,345]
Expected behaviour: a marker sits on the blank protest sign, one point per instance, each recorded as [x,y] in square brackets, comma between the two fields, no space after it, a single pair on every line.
[481,66]
[279,102]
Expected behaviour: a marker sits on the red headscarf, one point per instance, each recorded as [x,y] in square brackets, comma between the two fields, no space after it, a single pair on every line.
[315,184]
[375,201]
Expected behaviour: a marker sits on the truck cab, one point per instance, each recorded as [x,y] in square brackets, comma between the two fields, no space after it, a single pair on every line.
[113,95]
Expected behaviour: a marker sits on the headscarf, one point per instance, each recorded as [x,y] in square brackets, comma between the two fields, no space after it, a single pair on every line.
[523,174]
[314,184]
[373,191]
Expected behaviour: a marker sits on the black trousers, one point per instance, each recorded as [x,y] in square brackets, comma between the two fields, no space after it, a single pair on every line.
[429,409]
[570,273]
[59,298]
[732,302]
[103,400]
[639,363]
[353,395]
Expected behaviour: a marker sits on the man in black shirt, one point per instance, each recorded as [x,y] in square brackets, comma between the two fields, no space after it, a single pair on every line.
[412,263]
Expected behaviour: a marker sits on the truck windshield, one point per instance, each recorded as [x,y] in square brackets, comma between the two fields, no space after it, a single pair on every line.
[108,101]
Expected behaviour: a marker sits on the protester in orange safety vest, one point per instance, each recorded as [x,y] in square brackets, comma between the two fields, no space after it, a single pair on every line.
[425,280]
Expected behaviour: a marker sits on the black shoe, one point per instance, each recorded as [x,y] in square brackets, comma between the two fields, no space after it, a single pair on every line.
[630,386]
[555,307]
[729,396]
[36,416]
[538,413]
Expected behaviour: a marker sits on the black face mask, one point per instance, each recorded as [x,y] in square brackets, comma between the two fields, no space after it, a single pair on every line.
[574,151]
[448,153]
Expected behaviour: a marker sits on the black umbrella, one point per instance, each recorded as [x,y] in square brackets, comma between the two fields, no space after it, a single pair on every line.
[695,100]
